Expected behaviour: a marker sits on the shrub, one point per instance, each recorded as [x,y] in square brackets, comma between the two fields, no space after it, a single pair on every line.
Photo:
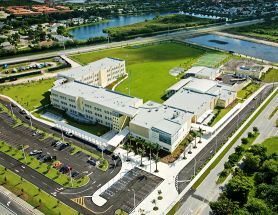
[244,140]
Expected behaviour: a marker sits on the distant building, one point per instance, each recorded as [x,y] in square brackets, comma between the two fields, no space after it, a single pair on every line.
[100,73]
[161,124]
[95,104]
[244,68]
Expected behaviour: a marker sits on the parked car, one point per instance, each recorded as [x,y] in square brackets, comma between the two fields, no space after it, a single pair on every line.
[74,174]
[35,152]
[69,134]
[57,164]
[63,146]
[22,112]
[93,161]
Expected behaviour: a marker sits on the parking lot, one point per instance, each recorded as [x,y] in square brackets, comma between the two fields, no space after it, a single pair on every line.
[135,183]
[46,150]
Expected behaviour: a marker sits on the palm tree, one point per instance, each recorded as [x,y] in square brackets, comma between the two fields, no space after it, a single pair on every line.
[194,135]
[142,152]
[156,159]
[200,134]
[127,147]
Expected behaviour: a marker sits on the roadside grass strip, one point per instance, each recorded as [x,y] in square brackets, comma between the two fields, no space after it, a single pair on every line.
[43,168]
[32,194]
[219,158]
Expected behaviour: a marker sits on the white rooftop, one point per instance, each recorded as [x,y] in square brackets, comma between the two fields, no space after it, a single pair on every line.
[202,70]
[179,84]
[189,101]
[200,85]
[121,103]
[161,117]
[95,66]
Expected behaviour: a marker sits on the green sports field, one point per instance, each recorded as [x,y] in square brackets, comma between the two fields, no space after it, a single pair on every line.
[211,60]
[149,66]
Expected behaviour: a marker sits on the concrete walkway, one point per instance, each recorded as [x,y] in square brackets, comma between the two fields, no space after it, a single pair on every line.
[70,61]
[209,190]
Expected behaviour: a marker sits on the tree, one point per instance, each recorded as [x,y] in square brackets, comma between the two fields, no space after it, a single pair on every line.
[200,132]
[250,135]
[194,135]
[238,188]
[257,206]
[251,163]
[223,206]
[239,150]
[156,159]
[127,147]
[255,129]
[244,140]
[14,39]
[142,152]
[259,150]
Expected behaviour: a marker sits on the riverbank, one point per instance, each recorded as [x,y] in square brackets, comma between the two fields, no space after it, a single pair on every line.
[250,39]
[158,24]
[87,24]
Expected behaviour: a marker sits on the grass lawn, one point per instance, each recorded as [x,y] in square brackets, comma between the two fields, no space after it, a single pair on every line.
[221,112]
[273,112]
[270,76]
[31,95]
[248,91]
[271,144]
[32,194]
[93,129]
[149,66]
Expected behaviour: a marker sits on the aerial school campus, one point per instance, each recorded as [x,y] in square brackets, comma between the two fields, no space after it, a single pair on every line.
[127,130]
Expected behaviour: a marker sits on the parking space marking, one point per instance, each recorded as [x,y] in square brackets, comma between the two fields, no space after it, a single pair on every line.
[90,173]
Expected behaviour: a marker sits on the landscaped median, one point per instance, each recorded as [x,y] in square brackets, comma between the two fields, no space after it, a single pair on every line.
[47,170]
[219,158]
[32,194]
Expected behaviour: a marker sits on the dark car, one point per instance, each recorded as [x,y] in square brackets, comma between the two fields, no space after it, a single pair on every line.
[22,112]
[74,174]
[27,117]
[63,146]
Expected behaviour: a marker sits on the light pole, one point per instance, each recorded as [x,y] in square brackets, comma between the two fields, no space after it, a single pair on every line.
[150,159]
[23,150]
[194,166]
[63,136]
[71,178]
[31,121]
[12,109]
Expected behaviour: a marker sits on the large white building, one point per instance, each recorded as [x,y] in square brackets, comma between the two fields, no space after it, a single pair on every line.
[161,124]
[95,104]
[197,96]
[100,73]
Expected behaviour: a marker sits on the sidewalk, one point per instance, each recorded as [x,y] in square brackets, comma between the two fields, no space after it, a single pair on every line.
[30,209]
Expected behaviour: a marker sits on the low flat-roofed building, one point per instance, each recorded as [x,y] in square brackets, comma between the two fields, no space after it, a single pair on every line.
[161,124]
[101,73]
[177,86]
[202,72]
[193,102]
[95,104]
[244,68]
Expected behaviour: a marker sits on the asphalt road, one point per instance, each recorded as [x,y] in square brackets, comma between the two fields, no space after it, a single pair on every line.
[210,149]
[208,191]
[9,206]
[173,35]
